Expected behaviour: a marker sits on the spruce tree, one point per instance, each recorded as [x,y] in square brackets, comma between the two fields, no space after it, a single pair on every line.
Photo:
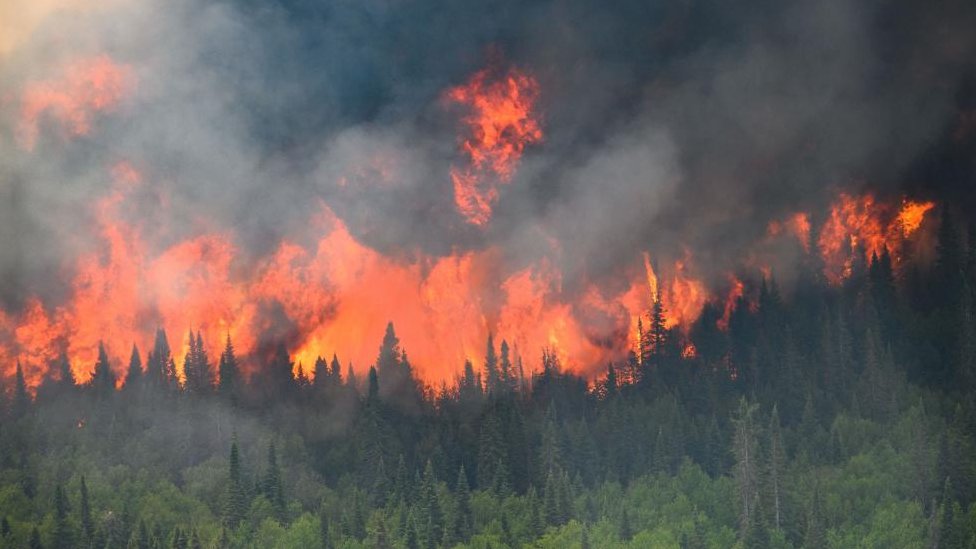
[775,468]
[462,515]
[103,378]
[281,382]
[334,370]
[66,377]
[272,486]
[505,370]
[133,374]
[492,377]
[35,539]
[745,448]
[235,503]
[228,372]
[22,399]
[322,376]
[814,537]
[610,386]
[62,537]
[373,392]
[87,524]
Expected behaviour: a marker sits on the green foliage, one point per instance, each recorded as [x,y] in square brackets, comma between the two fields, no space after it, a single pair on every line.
[805,425]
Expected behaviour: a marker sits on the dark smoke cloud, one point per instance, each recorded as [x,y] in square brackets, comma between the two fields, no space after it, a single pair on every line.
[668,125]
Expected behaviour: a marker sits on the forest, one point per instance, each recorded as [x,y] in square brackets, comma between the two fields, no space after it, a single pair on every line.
[839,416]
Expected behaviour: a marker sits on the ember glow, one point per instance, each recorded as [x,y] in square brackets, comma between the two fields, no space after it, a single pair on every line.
[500,122]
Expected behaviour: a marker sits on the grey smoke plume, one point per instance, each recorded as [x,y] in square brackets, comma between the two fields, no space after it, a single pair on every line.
[668,125]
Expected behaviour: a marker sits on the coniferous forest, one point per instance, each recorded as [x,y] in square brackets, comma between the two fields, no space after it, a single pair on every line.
[840,416]
[527,274]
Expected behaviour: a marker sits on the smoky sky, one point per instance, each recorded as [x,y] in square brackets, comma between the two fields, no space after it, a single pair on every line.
[668,126]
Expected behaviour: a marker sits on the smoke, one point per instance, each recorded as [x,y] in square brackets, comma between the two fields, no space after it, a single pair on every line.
[680,129]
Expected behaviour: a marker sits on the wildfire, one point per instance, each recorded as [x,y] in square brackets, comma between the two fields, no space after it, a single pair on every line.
[860,224]
[86,87]
[333,297]
[736,290]
[501,123]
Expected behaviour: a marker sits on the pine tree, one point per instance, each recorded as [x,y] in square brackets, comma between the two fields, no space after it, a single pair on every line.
[322,376]
[351,381]
[644,345]
[492,377]
[22,399]
[87,524]
[133,374]
[469,390]
[776,464]
[160,368]
[625,532]
[373,392]
[196,367]
[610,387]
[103,378]
[814,537]
[658,331]
[462,515]
[228,372]
[430,511]
[505,370]
[334,370]
[272,486]
[235,504]
[388,362]
[66,377]
[281,383]
[491,450]
[551,448]
[62,536]
[402,487]
[745,448]
[35,539]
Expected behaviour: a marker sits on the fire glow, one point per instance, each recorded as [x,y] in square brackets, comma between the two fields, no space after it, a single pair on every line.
[336,295]
[501,122]
[86,87]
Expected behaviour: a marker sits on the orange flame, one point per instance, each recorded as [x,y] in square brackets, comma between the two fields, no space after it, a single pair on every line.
[87,87]
[860,223]
[501,123]
[736,290]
